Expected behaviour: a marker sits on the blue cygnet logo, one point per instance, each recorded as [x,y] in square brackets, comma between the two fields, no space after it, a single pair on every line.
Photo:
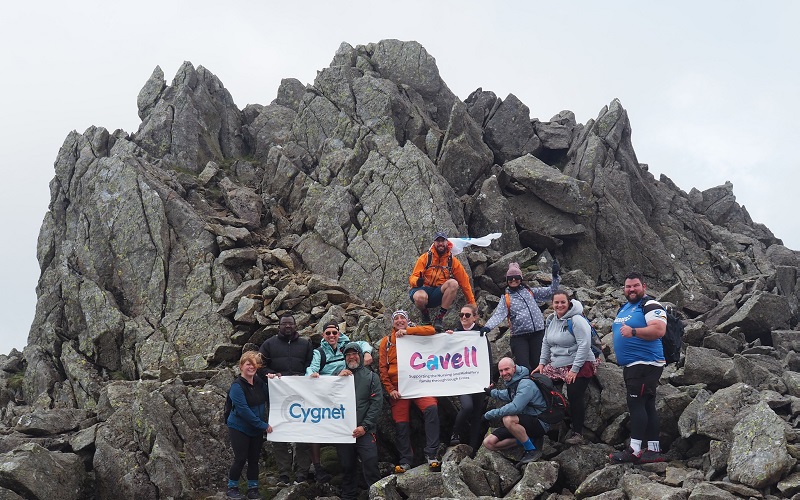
[316,415]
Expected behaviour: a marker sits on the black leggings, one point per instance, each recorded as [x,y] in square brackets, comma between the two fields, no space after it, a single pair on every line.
[245,449]
[527,349]
[470,417]
[577,405]
[641,382]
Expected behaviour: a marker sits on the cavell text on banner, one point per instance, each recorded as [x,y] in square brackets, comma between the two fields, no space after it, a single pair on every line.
[442,364]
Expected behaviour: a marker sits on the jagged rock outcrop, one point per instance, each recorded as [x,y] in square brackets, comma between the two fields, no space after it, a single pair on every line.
[166,252]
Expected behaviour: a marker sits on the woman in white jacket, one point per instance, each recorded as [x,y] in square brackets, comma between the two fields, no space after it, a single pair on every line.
[567,355]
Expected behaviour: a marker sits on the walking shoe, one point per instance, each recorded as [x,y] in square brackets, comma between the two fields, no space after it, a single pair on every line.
[438,325]
[530,456]
[401,468]
[626,456]
[434,465]
[426,316]
[299,478]
[253,494]
[321,474]
[234,494]
[575,439]
[283,481]
[455,439]
[650,457]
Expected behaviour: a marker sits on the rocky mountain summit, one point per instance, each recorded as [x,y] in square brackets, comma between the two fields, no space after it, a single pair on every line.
[167,251]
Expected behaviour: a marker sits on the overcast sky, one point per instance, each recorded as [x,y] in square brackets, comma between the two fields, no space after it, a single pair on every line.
[711,88]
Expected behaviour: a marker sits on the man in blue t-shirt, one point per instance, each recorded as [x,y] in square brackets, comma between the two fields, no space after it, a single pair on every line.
[638,329]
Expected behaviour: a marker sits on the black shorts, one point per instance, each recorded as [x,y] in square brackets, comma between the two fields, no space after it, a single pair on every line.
[641,380]
[434,295]
[531,424]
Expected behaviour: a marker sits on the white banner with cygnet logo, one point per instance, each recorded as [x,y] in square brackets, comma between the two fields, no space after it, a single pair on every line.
[312,410]
[442,364]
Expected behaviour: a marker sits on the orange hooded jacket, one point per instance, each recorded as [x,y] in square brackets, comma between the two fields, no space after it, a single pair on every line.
[437,273]
[388,355]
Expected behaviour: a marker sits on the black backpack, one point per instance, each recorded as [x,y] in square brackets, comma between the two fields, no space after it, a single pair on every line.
[228,403]
[557,406]
[673,338]
[323,358]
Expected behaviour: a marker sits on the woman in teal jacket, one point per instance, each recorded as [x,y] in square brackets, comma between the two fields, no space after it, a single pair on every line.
[333,341]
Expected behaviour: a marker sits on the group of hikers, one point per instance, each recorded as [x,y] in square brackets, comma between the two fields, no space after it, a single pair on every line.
[558,347]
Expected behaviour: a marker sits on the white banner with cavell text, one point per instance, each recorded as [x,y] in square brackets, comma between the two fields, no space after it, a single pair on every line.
[312,410]
[442,364]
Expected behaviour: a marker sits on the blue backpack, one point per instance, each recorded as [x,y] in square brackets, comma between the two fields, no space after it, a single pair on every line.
[594,340]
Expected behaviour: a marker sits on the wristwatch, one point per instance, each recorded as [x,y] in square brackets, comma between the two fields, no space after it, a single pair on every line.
[633,332]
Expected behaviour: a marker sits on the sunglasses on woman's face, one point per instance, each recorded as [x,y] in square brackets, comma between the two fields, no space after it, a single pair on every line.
[465,315]
[331,332]
[514,278]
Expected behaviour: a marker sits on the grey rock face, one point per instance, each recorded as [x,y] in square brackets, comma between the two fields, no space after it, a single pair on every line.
[409,64]
[51,422]
[407,180]
[576,463]
[159,438]
[537,479]
[637,485]
[509,132]
[762,313]
[705,366]
[464,159]
[717,417]
[505,470]
[133,259]
[243,202]
[758,454]
[268,126]
[687,422]
[151,92]
[557,133]
[31,471]
[190,122]
[232,298]
[790,485]
[600,481]
[560,191]
[491,213]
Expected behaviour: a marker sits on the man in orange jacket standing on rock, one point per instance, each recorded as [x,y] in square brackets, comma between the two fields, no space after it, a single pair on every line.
[428,405]
[435,280]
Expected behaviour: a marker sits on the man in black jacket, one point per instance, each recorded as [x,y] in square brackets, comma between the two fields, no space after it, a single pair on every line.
[287,354]
[369,400]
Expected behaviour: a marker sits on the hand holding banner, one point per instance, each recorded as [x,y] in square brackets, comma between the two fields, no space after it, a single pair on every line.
[442,364]
[312,410]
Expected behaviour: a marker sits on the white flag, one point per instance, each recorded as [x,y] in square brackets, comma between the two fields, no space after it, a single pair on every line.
[460,243]
[442,364]
[312,410]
